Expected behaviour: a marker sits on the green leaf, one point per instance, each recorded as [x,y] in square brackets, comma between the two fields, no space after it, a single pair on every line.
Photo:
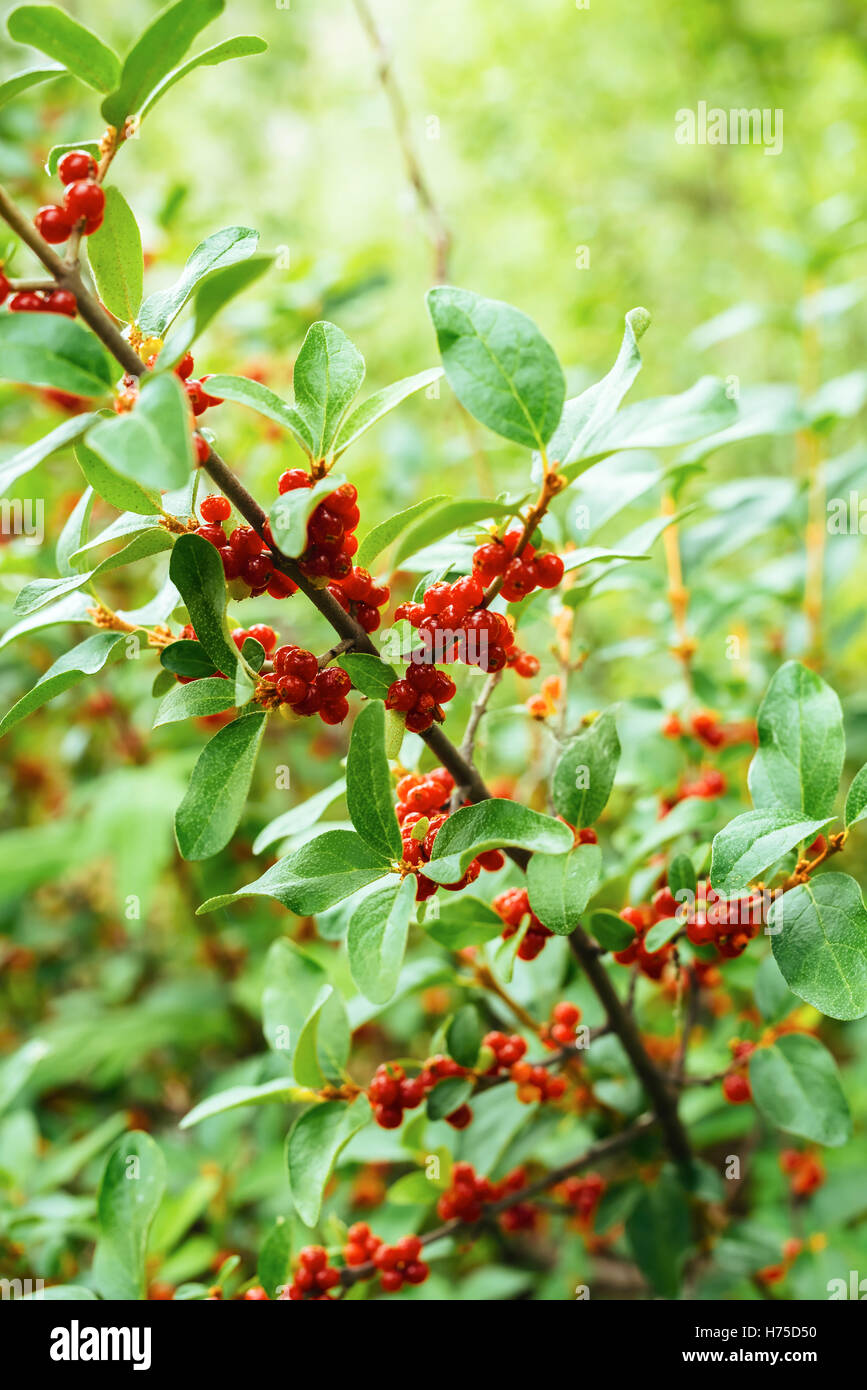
[84,660]
[291,511]
[303,1018]
[856,798]
[446,519]
[279,1091]
[465,922]
[660,422]
[498,364]
[493,824]
[62,38]
[220,249]
[464,1036]
[273,1269]
[796,1086]
[610,930]
[447,1096]
[819,938]
[14,468]
[329,369]
[115,256]
[131,1190]
[774,999]
[213,804]
[585,772]
[561,885]
[188,658]
[376,939]
[661,933]
[368,783]
[41,591]
[209,299]
[584,415]
[316,876]
[300,817]
[682,877]
[658,1232]
[195,701]
[315,1143]
[23,81]
[378,405]
[242,46]
[74,533]
[368,673]
[152,444]
[799,760]
[387,531]
[70,609]
[53,351]
[115,489]
[197,572]
[160,48]
[752,842]
[265,402]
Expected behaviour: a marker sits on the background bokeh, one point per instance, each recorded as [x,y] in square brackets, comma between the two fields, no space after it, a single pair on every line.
[541,129]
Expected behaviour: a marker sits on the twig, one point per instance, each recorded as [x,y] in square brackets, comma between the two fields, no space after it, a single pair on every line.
[603,1149]
[437,229]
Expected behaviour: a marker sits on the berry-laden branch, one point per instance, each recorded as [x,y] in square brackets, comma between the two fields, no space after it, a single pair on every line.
[461,769]
[604,1149]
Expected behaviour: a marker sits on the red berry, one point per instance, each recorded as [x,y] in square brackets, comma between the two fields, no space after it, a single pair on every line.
[367,617]
[246,542]
[301,663]
[27,302]
[61,302]
[5,287]
[736,1088]
[401,696]
[256,571]
[357,585]
[460,1118]
[185,367]
[264,635]
[548,570]
[292,689]
[333,683]
[76,164]
[215,508]
[202,448]
[197,398]
[84,199]
[53,223]
[293,478]
[214,533]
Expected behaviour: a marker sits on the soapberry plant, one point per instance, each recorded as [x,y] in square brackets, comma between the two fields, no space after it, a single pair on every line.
[628,971]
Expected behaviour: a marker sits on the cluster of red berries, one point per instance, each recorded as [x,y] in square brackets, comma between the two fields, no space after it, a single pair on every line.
[583,1195]
[331,539]
[420,696]
[563,1027]
[708,785]
[706,727]
[728,923]
[391,1091]
[650,963]
[242,552]
[792,1248]
[422,808]
[469,1194]
[736,1083]
[313,1277]
[83,201]
[299,683]
[39,302]
[805,1170]
[522,573]
[521,1216]
[508,1048]
[456,628]
[398,1264]
[513,906]
[534,1084]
